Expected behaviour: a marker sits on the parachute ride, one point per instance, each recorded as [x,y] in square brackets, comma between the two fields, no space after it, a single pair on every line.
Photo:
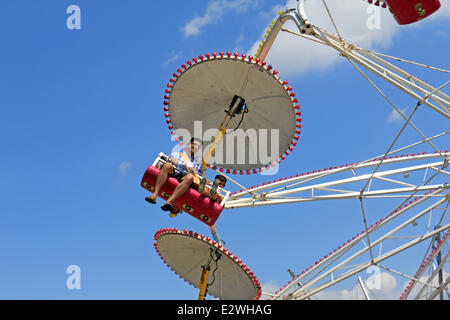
[226,90]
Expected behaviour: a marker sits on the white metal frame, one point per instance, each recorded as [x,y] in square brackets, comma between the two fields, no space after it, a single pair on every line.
[277,192]
[319,272]
[312,187]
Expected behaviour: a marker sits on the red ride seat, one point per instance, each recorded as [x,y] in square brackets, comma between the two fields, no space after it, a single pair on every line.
[409,11]
[197,205]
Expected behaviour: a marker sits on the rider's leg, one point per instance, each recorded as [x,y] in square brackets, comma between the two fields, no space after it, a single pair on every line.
[186,181]
[161,179]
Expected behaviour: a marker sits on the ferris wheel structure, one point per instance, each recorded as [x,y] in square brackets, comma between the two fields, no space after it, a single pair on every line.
[370,180]
[406,188]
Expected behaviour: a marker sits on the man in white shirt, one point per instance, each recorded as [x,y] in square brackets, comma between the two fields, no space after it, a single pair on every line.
[181,165]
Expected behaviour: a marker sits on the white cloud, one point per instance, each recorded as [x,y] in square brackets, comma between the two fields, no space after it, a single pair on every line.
[443,12]
[385,280]
[173,58]
[124,167]
[269,287]
[386,289]
[394,116]
[240,39]
[214,13]
[239,44]
[291,54]
[418,286]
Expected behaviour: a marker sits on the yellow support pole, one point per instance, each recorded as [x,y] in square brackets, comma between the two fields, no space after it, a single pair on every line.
[203,282]
[213,146]
[220,133]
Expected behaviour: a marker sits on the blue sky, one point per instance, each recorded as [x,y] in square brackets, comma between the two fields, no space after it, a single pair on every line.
[81,119]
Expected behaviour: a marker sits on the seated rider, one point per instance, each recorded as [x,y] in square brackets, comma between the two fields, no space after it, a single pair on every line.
[219,181]
[183,168]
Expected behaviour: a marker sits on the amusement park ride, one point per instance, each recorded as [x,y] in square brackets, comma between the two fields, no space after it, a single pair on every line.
[248,91]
